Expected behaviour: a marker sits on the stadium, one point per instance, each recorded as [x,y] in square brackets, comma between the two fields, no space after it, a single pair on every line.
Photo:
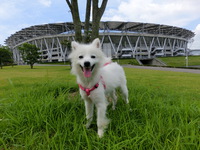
[118,39]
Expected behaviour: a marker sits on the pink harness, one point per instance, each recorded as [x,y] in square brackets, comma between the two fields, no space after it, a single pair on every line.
[88,90]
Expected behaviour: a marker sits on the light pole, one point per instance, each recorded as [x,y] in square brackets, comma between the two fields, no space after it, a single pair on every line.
[186,59]
[187,52]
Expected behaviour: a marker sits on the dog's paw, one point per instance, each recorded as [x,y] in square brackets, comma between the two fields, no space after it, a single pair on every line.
[100,133]
[88,125]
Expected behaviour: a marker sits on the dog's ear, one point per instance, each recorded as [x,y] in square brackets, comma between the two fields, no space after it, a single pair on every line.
[74,45]
[96,43]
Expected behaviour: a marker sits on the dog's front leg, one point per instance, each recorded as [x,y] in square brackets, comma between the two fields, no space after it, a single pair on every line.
[89,108]
[102,120]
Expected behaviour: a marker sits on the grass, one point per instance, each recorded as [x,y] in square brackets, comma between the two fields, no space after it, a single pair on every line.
[41,109]
[57,63]
[181,61]
[131,61]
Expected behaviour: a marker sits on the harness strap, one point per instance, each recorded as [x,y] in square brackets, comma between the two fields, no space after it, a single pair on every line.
[106,63]
[88,90]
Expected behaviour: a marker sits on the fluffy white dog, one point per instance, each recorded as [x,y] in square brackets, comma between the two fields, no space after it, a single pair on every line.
[97,77]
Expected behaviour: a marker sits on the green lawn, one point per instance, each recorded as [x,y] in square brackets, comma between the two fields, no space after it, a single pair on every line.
[170,61]
[41,109]
[181,61]
[126,61]
[120,61]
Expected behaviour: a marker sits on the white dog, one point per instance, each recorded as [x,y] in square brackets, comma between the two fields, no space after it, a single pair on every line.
[97,77]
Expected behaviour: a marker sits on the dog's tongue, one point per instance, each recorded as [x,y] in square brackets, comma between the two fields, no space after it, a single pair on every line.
[87,72]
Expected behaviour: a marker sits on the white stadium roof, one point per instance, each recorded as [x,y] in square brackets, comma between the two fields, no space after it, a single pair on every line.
[59,28]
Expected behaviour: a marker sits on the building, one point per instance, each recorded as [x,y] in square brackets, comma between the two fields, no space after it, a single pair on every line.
[118,39]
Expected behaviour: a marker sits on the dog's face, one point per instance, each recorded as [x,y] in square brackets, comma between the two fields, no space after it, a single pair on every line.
[86,58]
[87,63]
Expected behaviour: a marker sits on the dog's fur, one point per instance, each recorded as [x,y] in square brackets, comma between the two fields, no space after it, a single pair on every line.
[88,64]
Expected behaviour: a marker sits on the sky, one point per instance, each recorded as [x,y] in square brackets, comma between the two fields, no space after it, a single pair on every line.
[18,14]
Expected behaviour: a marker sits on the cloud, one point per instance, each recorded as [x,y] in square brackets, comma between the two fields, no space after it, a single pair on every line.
[8,10]
[196,43]
[176,12]
[17,14]
[46,3]
[9,30]
[180,13]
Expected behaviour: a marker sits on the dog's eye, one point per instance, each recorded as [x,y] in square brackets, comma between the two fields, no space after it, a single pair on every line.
[93,56]
[80,57]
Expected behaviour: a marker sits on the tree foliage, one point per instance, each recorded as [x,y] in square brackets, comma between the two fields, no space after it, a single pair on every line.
[92,32]
[5,56]
[30,53]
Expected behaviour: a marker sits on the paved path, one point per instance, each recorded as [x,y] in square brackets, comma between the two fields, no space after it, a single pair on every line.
[197,71]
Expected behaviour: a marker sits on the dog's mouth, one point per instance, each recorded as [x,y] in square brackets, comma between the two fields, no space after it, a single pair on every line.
[87,71]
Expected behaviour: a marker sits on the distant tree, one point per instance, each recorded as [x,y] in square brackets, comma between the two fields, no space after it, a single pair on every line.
[5,56]
[97,13]
[66,43]
[30,53]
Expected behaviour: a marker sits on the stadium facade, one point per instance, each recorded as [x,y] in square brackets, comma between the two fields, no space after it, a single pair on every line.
[118,39]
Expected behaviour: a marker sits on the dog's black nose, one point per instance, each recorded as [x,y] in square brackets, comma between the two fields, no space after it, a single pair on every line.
[87,64]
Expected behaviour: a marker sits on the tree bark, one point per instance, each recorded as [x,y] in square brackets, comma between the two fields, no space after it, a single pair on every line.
[76,19]
[87,22]
[31,66]
[97,13]
[1,65]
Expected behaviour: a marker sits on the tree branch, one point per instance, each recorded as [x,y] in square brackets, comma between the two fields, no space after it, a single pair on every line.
[95,9]
[87,21]
[69,4]
[88,8]
[102,8]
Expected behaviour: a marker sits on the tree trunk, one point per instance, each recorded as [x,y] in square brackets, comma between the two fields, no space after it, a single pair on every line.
[96,17]
[1,65]
[78,33]
[87,22]
[76,19]
[31,66]
[97,13]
